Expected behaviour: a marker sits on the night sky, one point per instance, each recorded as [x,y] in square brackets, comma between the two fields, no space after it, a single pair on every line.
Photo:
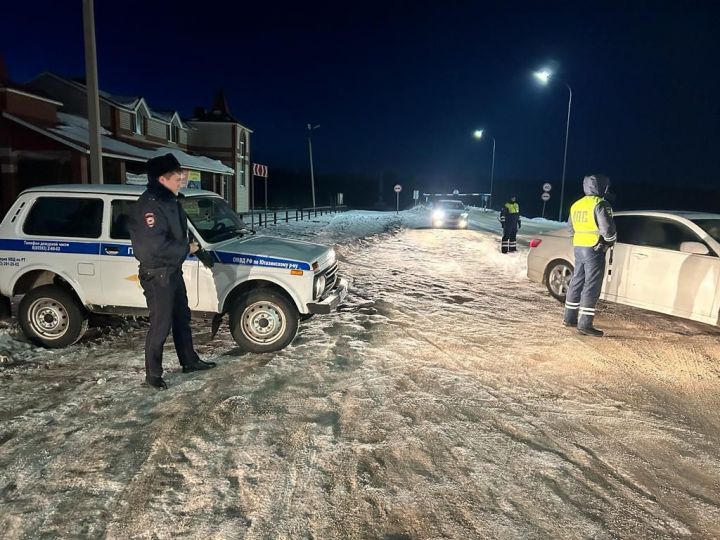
[400,89]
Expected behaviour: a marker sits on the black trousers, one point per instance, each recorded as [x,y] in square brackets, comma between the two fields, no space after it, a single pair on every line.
[167,302]
[509,242]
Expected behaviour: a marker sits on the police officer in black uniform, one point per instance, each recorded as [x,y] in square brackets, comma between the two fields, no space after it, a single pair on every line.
[160,242]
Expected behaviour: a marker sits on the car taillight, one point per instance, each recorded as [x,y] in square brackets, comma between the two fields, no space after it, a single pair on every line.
[535,242]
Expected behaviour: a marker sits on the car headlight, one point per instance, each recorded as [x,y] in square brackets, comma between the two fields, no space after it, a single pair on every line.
[438,214]
[319,286]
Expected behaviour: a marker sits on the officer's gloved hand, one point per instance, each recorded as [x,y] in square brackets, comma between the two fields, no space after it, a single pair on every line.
[205,258]
[519,224]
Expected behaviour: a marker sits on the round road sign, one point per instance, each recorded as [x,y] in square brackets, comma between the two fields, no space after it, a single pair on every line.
[547,186]
[545,196]
[397,188]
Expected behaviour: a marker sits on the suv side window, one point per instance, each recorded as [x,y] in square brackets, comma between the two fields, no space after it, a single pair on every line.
[65,216]
[653,232]
[121,214]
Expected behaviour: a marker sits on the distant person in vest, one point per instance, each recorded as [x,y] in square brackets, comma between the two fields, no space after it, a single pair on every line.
[510,221]
[591,221]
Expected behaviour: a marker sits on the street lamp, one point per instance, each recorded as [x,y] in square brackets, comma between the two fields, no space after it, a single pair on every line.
[478,134]
[544,76]
[312,172]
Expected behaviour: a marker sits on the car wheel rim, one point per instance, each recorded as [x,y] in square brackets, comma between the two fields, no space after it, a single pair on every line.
[559,279]
[48,318]
[263,323]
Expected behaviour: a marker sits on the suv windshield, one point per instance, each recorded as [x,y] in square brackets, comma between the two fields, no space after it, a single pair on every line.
[710,226]
[213,218]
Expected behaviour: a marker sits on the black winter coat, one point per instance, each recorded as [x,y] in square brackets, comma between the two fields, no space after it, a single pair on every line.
[159,232]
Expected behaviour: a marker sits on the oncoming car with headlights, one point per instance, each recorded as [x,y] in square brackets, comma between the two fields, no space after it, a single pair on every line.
[65,252]
[449,213]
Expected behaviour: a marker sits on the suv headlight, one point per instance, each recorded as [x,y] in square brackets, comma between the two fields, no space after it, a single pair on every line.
[438,214]
[319,286]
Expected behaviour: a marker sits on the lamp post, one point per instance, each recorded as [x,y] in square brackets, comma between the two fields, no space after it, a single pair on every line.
[312,172]
[478,134]
[544,76]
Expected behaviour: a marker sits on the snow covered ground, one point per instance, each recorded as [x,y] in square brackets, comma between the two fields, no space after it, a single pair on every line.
[444,400]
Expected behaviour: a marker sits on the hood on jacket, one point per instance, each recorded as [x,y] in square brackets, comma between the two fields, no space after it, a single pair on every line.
[596,184]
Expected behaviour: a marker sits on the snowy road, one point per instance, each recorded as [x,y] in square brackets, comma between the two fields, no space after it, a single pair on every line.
[444,401]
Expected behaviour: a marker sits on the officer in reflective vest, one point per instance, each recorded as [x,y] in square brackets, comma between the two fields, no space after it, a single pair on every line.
[591,222]
[510,221]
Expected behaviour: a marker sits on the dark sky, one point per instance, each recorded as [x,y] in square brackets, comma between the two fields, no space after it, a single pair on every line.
[400,89]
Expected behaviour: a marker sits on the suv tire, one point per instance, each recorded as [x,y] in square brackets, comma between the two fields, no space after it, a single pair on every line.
[52,317]
[263,321]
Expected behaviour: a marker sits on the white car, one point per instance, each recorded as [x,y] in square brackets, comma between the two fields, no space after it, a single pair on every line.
[66,250]
[448,212]
[663,261]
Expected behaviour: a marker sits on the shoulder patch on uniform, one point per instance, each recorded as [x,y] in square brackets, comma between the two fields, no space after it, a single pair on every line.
[150,219]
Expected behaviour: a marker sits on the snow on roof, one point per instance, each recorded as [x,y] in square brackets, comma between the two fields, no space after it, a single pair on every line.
[129,102]
[74,131]
[112,189]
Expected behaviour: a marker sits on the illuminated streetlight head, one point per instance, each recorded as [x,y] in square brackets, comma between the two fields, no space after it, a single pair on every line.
[478,134]
[543,75]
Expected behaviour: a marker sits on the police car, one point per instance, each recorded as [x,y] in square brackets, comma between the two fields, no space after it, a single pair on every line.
[66,250]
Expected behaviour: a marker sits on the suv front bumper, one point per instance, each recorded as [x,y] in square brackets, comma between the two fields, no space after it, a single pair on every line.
[332,300]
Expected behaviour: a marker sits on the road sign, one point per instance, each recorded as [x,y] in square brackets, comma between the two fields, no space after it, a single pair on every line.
[547,186]
[416,194]
[545,196]
[397,188]
[456,192]
[260,170]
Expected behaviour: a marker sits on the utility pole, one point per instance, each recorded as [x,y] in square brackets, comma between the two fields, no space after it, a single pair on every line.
[312,172]
[93,93]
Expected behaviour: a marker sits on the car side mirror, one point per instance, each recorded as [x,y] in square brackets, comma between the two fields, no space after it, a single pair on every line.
[697,248]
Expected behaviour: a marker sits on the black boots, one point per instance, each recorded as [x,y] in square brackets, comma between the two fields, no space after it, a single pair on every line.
[590,331]
[198,365]
[156,382]
[586,328]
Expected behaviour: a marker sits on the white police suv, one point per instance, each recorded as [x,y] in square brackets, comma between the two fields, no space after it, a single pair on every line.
[65,249]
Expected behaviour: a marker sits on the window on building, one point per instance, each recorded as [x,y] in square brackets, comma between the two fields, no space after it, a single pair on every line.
[243,140]
[173,133]
[137,122]
[66,217]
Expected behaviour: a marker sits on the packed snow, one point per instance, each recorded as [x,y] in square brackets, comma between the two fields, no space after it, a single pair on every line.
[443,400]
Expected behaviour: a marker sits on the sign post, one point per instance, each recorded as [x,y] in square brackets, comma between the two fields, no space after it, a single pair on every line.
[261,171]
[545,198]
[398,189]
[547,186]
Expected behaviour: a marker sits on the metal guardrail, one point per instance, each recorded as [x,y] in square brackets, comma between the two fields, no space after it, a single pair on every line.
[263,218]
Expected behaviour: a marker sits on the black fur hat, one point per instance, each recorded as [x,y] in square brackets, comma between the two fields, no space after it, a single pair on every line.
[160,165]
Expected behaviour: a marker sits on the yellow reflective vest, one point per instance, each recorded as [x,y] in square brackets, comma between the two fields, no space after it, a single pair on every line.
[582,216]
[512,207]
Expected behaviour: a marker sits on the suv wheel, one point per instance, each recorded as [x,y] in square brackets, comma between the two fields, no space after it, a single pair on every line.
[557,278]
[51,316]
[263,321]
